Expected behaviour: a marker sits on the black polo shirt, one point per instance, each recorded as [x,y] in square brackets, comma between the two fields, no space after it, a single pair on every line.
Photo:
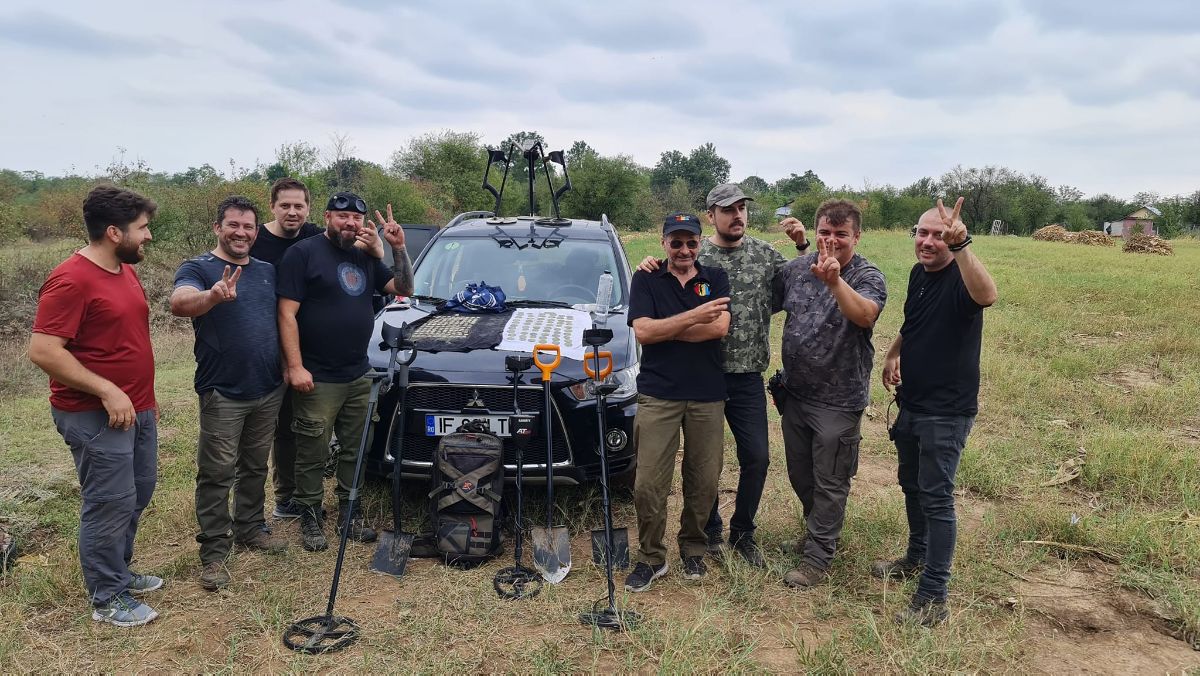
[676,369]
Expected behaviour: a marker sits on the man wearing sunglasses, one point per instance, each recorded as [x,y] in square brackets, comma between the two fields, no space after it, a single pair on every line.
[832,298]
[326,317]
[679,315]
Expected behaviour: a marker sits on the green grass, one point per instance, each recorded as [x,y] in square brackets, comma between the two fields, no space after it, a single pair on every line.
[1087,348]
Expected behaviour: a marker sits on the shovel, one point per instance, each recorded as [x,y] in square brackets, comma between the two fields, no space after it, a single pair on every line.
[607,539]
[394,548]
[552,544]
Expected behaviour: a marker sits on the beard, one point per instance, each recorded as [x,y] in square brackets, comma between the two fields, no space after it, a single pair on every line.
[731,236]
[342,242]
[128,252]
[227,248]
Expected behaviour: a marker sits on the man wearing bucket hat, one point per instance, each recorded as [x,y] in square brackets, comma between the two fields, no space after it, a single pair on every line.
[679,315]
[325,321]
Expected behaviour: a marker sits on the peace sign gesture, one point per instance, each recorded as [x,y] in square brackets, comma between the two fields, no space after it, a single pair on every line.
[392,231]
[226,289]
[827,269]
[956,230]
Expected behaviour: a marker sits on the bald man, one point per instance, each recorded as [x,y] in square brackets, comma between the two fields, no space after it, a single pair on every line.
[934,365]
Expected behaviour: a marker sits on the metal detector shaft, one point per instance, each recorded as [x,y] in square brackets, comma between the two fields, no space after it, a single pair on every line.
[601,402]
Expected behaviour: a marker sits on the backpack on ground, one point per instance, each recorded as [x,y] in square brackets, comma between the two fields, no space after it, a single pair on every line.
[465,497]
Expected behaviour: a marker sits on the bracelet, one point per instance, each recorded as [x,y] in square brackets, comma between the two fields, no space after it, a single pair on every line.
[802,247]
[961,245]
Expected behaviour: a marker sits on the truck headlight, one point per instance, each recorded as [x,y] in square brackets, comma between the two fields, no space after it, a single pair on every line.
[626,380]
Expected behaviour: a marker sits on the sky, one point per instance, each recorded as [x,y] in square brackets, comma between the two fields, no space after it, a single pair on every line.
[1102,95]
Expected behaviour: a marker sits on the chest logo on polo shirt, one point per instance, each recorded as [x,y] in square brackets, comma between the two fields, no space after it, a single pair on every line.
[702,289]
[352,279]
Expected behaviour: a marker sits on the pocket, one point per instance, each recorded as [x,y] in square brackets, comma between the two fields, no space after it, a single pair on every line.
[847,457]
[308,427]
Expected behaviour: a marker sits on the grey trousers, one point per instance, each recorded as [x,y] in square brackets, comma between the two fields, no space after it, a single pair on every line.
[821,447]
[117,473]
[283,453]
[231,456]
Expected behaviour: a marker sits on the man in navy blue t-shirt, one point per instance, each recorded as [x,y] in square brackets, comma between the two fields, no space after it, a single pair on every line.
[935,364]
[231,300]
[326,318]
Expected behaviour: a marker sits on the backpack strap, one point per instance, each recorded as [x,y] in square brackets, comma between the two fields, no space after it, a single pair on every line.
[466,486]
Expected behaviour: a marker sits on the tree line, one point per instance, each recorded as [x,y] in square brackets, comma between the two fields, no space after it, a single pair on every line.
[437,175]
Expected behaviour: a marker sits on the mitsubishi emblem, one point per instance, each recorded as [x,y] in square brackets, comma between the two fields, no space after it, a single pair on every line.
[475,401]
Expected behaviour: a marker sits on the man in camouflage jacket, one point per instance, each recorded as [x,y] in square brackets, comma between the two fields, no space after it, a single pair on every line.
[832,299]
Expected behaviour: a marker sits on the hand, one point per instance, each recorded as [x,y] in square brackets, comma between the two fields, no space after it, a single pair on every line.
[226,289]
[827,268]
[121,415]
[392,231]
[299,379]
[710,311]
[794,229]
[891,373]
[648,264]
[956,230]
[369,237]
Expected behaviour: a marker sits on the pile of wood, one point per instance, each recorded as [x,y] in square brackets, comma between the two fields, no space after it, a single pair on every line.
[1139,243]
[1090,238]
[1051,233]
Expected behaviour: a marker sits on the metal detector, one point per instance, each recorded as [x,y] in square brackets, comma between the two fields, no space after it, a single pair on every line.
[552,544]
[609,617]
[329,632]
[394,548]
[518,582]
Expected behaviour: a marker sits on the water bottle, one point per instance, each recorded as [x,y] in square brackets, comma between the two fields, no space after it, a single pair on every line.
[604,298]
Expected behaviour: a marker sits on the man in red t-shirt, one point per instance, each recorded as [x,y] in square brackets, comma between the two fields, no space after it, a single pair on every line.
[91,335]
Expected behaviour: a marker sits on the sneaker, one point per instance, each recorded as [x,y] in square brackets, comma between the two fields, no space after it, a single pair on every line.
[359,530]
[716,544]
[214,576]
[923,611]
[123,610]
[643,575]
[141,584]
[900,569]
[806,575]
[311,534]
[264,541]
[288,509]
[749,549]
[694,568]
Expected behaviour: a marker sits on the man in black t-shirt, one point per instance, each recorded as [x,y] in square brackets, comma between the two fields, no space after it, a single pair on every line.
[325,322]
[290,206]
[935,364]
[679,314]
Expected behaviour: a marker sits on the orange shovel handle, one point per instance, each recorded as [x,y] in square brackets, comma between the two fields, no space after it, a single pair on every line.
[605,357]
[547,367]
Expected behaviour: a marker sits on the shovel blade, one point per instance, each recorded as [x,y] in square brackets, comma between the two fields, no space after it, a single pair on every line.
[551,552]
[391,554]
[620,540]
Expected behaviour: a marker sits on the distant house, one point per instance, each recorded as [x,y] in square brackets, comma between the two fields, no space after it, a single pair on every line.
[785,210]
[1141,221]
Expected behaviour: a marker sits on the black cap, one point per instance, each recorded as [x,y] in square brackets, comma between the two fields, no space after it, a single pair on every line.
[346,201]
[681,221]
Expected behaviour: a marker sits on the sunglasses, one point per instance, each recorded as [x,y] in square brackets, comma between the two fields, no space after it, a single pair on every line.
[679,243]
[343,203]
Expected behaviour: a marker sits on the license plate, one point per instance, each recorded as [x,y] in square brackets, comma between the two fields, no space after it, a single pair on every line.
[441,425]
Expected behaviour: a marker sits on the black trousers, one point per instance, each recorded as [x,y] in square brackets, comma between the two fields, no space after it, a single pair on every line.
[746,413]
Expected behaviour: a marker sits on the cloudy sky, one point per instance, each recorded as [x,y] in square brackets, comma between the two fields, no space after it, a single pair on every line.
[1100,94]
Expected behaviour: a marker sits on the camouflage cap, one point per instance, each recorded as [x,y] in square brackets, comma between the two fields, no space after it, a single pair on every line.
[725,195]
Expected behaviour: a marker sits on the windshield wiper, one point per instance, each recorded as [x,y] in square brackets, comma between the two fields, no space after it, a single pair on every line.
[531,302]
[428,299]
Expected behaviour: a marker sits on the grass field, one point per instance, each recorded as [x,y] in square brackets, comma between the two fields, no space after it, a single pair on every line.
[1090,356]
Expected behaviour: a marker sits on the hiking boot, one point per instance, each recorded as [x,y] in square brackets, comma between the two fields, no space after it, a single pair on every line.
[141,584]
[749,549]
[359,530]
[900,569]
[807,575]
[289,509]
[923,611]
[643,575]
[214,576]
[694,568]
[715,547]
[124,611]
[311,534]
[793,547]
[264,541]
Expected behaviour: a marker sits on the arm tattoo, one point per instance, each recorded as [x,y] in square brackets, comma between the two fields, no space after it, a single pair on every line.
[402,271]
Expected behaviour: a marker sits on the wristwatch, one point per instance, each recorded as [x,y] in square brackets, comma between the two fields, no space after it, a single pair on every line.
[961,245]
[802,247]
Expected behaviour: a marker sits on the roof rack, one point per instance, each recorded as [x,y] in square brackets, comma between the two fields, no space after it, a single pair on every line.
[532,151]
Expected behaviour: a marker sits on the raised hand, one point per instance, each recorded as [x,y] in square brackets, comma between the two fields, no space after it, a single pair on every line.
[648,264]
[956,230]
[392,231]
[710,311]
[225,290]
[827,269]
[794,229]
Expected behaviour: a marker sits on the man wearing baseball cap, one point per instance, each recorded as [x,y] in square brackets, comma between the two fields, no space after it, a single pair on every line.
[325,321]
[679,315]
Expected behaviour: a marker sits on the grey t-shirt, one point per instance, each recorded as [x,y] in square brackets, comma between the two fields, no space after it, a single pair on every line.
[826,358]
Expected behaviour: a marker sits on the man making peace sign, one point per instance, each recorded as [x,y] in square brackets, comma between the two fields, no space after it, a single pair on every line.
[935,363]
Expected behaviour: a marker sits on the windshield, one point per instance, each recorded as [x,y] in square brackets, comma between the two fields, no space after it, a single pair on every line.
[567,273]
